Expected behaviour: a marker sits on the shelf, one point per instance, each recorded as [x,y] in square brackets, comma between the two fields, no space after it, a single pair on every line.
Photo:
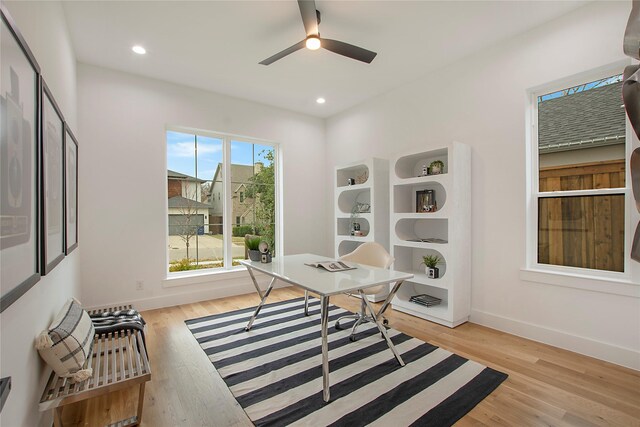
[424,227]
[354,238]
[442,179]
[450,222]
[404,196]
[349,197]
[354,171]
[439,247]
[365,215]
[374,190]
[439,214]
[422,279]
[436,313]
[409,289]
[343,226]
[409,259]
[356,187]
[410,166]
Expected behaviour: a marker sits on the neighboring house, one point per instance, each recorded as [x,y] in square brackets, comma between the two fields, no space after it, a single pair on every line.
[242,211]
[187,212]
[184,205]
[179,184]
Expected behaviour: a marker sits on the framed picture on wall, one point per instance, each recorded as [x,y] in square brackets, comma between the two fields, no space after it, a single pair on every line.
[19,150]
[71,189]
[53,233]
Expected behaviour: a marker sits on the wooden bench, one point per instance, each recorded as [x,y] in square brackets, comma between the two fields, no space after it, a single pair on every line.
[119,361]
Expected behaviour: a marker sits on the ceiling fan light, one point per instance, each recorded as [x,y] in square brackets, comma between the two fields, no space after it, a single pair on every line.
[313,43]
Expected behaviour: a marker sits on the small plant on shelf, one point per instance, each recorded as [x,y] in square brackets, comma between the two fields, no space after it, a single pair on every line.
[436,167]
[431,262]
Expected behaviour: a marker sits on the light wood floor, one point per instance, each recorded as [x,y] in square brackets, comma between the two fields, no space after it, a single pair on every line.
[546,385]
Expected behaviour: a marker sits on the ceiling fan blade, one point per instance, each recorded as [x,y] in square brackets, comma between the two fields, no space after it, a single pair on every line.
[309,16]
[348,50]
[284,53]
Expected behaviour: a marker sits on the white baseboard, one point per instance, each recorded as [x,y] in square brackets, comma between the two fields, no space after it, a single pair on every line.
[600,350]
[220,290]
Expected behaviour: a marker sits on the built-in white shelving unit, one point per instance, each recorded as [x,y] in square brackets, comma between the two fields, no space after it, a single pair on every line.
[372,189]
[451,222]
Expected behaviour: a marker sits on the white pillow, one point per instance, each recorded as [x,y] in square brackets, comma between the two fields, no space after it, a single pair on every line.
[68,342]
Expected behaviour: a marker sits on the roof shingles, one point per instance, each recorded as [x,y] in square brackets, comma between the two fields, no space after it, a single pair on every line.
[593,116]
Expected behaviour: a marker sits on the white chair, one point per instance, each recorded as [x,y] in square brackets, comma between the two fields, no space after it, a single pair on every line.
[375,255]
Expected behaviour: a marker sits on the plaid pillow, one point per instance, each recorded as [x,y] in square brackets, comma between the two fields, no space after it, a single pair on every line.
[68,343]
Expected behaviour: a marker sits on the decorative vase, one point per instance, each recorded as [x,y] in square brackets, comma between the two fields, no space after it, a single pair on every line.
[254,255]
[432,272]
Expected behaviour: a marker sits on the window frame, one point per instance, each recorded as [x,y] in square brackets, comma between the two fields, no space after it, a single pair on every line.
[576,277]
[228,223]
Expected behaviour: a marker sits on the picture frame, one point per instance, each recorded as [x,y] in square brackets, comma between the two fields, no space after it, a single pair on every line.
[71,190]
[52,182]
[20,97]
[426,201]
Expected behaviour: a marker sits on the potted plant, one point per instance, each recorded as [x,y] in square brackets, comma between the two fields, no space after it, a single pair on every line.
[253,246]
[436,167]
[430,262]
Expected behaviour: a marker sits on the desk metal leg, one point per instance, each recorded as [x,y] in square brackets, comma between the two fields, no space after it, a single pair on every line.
[306,303]
[381,327]
[264,298]
[387,301]
[324,314]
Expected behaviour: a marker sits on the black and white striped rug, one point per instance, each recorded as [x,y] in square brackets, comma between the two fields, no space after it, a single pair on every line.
[275,373]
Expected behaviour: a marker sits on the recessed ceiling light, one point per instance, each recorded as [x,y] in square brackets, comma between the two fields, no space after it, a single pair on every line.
[139,49]
[321,100]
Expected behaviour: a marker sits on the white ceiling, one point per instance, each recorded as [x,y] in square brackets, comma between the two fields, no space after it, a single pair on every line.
[216,45]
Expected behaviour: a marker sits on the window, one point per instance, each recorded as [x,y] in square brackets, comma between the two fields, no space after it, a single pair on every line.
[579,191]
[199,167]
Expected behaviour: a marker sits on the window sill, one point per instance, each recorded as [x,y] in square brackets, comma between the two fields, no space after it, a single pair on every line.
[199,277]
[615,286]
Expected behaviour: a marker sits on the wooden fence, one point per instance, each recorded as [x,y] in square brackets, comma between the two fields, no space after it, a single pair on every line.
[582,231]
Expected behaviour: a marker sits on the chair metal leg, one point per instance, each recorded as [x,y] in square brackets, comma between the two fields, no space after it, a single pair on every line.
[348,316]
[306,303]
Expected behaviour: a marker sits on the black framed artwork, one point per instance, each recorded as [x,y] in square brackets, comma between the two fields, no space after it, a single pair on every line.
[53,233]
[426,201]
[71,190]
[19,161]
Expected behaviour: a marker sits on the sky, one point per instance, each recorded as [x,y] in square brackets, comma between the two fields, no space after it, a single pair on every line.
[181,154]
[582,88]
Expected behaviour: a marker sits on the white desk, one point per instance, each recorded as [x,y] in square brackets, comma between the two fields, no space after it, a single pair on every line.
[292,269]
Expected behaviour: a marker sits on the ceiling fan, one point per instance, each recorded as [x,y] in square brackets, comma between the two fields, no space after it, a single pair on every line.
[311,21]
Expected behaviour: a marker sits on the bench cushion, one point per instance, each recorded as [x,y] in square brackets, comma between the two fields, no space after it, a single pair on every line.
[68,342]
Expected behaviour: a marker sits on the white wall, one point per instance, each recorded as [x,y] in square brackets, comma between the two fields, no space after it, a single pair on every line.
[481,101]
[43,27]
[123,178]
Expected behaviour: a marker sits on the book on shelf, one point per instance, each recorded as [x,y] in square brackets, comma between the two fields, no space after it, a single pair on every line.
[426,300]
[429,240]
[332,265]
